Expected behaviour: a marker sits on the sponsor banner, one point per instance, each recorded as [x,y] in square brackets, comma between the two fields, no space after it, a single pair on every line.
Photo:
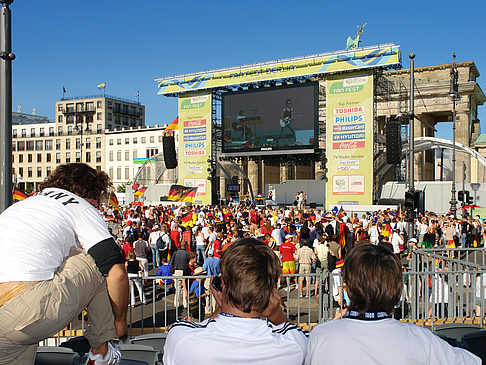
[309,65]
[195,143]
[349,137]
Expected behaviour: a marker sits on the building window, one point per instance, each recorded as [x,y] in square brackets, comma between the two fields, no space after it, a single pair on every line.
[110,142]
[98,128]
[117,119]
[127,140]
[88,142]
[58,157]
[132,122]
[78,156]
[23,133]
[140,111]
[135,154]
[109,116]
[118,141]
[14,145]
[88,156]
[144,139]
[39,145]
[48,145]
[29,157]
[127,155]
[99,104]
[39,171]
[32,132]
[59,107]
[51,131]
[70,108]
[48,157]
[39,157]
[118,155]
[14,133]
[21,171]
[59,131]
[58,144]
[21,146]
[68,157]
[117,108]
[118,173]
[134,140]
[132,110]
[48,171]
[110,172]
[127,173]
[152,139]
[78,143]
[70,130]
[98,116]
[68,144]
[89,118]
[124,121]
[109,104]
[21,158]
[110,127]
[79,107]
[41,132]
[160,138]
[29,171]
[70,119]
[90,106]
[125,109]
[110,156]
[98,156]
[29,146]
[98,142]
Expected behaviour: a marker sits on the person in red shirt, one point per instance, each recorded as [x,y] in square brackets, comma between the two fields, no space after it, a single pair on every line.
[287,250]
[127,247]
[175,237]
[217,245]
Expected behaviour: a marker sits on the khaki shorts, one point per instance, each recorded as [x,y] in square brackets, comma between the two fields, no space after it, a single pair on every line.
[48,306]
[305,268]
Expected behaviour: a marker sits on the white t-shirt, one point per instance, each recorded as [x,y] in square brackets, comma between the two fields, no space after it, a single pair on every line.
[154,236]
[38,232]
[235,340]
[385,341]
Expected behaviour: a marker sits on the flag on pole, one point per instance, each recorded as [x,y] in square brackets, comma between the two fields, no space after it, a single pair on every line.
[137,94]
[63,89]
[18,195]
[341,212]
[135,186]
[100,86]
[114,201]
[179,193]
[172,126]
[140,191]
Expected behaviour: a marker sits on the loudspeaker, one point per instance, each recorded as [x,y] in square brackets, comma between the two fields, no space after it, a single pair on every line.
[313,205]
[170,158]
[393,142]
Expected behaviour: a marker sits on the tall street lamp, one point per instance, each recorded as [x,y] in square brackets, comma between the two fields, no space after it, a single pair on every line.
[79,130]
[454,94]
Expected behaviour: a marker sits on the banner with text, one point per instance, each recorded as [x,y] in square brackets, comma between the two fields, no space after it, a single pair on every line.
[195,143]
[349,138]
[375,56]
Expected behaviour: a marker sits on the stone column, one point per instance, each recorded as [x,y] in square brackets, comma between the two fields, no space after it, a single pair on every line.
[253,175]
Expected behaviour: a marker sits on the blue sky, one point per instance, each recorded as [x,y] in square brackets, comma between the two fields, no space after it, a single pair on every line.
[79,44]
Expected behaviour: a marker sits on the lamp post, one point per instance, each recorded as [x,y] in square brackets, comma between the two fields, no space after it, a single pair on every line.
[6,58]
[411,113]
[79,130]
[454,94]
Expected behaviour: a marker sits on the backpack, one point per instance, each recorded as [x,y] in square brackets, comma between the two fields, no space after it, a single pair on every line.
[160,243]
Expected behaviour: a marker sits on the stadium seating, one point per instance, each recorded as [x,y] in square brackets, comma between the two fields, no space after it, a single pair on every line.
[54,355]
[139,353]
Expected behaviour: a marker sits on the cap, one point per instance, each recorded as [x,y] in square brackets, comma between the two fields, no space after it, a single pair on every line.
[199,271]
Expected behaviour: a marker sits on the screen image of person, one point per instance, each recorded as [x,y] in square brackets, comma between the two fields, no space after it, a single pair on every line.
[286,119]
[368,334]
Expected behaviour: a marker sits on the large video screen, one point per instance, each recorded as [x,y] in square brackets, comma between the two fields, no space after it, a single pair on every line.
[268,120]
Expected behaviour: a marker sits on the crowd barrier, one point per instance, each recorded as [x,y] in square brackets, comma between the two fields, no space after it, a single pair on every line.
[440,286]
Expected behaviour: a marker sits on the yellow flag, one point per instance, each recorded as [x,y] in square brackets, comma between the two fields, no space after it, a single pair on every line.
[101,85]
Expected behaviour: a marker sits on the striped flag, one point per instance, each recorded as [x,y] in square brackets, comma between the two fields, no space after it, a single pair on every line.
[18,195]
[114,201]
[172,126]
[102,85]
[188,219]
[140,191]
[179,193]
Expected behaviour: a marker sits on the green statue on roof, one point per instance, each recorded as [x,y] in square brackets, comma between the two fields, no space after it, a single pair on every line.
[353,42]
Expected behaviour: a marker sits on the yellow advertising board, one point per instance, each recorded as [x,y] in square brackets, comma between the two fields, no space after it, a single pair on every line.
[349,138]
[375,56]
[195,143]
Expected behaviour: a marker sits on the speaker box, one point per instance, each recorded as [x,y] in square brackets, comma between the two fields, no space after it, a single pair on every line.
[313,205]
[393,142]
[170,158]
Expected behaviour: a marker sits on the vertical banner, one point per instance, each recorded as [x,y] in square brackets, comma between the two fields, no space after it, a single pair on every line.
[195,143]
[349,138]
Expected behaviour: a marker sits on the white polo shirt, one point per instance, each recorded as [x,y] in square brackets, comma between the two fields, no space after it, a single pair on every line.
[235,340]
[38,232]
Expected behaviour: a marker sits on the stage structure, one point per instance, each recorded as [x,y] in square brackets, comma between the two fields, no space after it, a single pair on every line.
[268,114]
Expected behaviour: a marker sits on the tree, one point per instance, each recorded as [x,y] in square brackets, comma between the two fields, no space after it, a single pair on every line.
[122,188]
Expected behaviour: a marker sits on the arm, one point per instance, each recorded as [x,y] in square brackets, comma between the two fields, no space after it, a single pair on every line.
[117,285]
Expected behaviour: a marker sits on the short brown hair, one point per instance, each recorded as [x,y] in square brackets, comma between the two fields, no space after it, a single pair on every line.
[373,276]
[80,179]
[250,271]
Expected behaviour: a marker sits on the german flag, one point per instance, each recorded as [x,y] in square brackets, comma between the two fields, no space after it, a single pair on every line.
[179,193]
[140,191]
[188,219]
[172,126]
[18,195]
[114,201]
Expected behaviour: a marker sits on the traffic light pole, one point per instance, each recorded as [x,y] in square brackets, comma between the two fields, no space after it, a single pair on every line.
[466,194]
[411,113]
[453,94]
